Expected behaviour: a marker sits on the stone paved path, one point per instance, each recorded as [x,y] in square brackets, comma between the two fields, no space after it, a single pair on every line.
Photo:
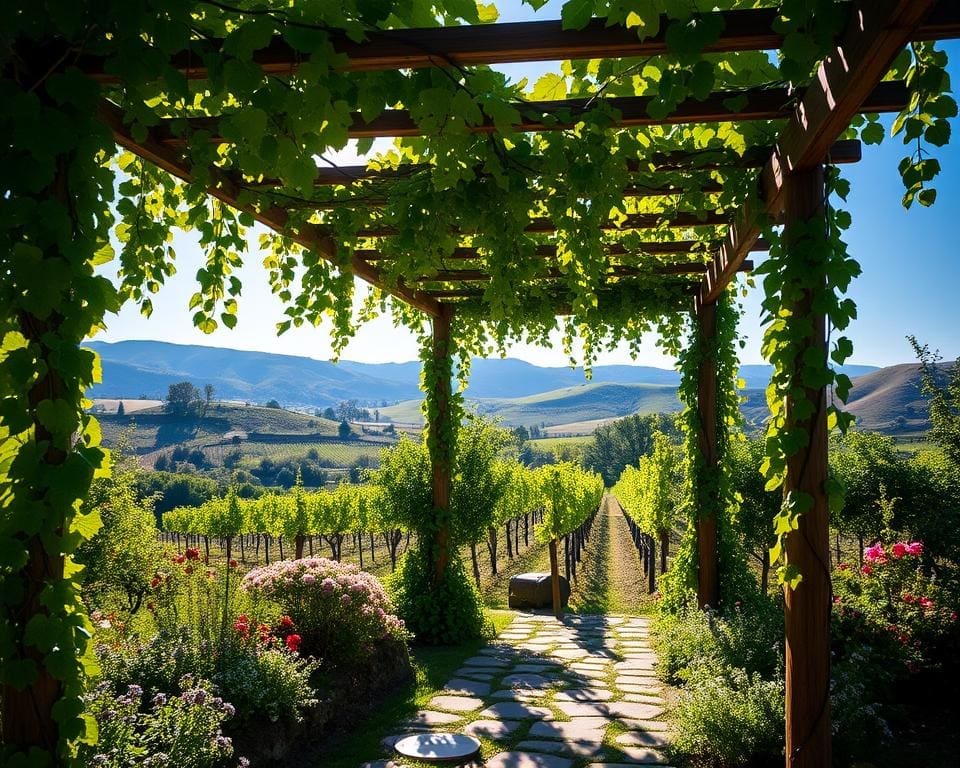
[548,694]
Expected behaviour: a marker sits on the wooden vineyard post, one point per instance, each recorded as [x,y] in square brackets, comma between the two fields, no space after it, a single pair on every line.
[555,579]
[708,586]
[808,604]
[651,565]
[438,440]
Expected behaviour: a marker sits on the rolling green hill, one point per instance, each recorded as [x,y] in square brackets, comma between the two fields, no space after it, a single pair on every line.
[561,406]
[886,400]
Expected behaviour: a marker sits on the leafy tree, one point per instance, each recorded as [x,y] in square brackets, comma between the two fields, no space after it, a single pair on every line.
[758,506]
[943,389]
[121,559]
[121,411]
[329,413]
[405,478]
[344,430]
[182,398]
[621,443]
[478,484]
[871,471]
[272,404]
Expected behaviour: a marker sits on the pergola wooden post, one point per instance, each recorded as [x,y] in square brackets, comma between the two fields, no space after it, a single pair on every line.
[708,588]
[808,605]
[439,442]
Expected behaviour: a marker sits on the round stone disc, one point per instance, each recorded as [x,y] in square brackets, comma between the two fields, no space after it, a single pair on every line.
[438,747]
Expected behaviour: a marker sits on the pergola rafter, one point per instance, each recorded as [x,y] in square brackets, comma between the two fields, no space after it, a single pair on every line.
[540,116]
[518,42]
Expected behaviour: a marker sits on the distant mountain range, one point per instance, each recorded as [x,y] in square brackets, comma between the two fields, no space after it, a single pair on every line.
[519,392]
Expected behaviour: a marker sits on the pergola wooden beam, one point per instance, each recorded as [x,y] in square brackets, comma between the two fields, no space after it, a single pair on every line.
[629,191]
[743,30]
[877,32]
[540,116]
[842,152]
[682,220]
[466,253]
[615,270]
[310,236]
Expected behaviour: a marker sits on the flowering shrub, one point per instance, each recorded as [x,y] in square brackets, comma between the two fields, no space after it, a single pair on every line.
[262,678]
[892,595]
[181,731]
[339,612]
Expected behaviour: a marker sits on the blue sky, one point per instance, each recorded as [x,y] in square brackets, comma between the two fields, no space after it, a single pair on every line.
[910,273]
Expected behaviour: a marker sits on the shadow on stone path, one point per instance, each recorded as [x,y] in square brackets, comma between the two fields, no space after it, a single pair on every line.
[549,694]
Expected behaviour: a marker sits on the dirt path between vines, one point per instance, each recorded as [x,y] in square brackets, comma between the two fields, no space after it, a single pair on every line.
[610,578]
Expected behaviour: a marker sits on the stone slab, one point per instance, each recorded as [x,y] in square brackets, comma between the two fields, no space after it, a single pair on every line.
[578,748]
[536,669]
[469,687]
[485,661]
[474,673]
[644,698]
[646,725]
[515,710]
[643,756]
[527,760]
[492,729]
[584,694]
[456,703]
[525,680]
[659,739]
[640,689]
[428,717]
[518,694]
[578,729]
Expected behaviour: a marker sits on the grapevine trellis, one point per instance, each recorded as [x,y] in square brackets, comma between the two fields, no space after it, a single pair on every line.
[626,193]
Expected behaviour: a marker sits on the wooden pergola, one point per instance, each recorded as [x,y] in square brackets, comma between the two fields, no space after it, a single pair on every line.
[691,256]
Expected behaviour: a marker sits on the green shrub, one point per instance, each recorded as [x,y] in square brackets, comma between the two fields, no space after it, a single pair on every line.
[746,638]
[264,680]
[438,614]
[726,717]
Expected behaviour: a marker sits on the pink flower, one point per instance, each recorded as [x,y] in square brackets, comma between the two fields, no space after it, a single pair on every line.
[875,554]
[898,550]
[907,597]
[953,615]
[309,578]
[345,599]
[293,642]
[286,622]
[866,570]
[843,566]
[915,548]
[192,553]
[926,603]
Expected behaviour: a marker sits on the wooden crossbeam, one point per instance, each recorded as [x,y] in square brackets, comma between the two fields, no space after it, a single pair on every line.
[876,33]
[630,191]
[315,238]
[743,30]
[632,221]
[537,116]
[842,152]
[550,251]
[615,270]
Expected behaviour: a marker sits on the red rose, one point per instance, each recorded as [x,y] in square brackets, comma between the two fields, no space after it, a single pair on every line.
[293,642]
